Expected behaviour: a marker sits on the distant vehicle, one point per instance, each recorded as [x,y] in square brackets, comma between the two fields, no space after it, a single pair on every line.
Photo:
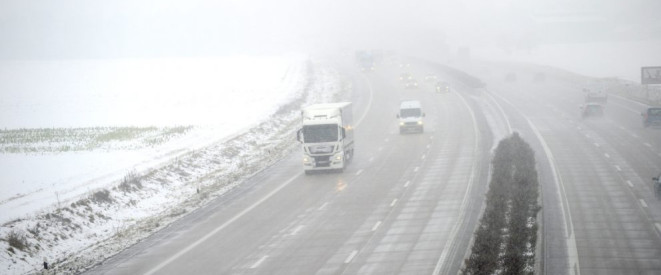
[410,117]
[405,77]
[595,97]
[656,181]
[366,60]
[411,84]
[592,110]
[326,136]
[651,117]
[442,87]
[431,78]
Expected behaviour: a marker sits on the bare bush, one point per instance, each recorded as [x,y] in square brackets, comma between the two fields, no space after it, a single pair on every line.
[102,196]
[17,240]
[131,182]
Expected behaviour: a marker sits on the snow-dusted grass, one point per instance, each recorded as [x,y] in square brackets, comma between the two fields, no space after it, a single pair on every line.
[77,233]
[41,140]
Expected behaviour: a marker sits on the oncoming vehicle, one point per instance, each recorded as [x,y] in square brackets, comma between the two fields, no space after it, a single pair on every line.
[411,84]
[405,77]
[651,117]
[326,136]
[442,87]
[410,117]
[592,110]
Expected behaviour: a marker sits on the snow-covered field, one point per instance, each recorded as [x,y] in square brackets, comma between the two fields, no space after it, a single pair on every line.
[75,207]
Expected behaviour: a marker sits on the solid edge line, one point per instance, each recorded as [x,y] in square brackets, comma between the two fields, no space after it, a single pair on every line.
[572,250]
[261,260]
[462,215]
[221,227]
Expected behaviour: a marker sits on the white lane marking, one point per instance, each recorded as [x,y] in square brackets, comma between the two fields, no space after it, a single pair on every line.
[359,172]
[607,155]
[658,226]
[566,212]
[618,168]
[424,156]
[376,226]
[371,159]
[222,226]
[647,144]
[260,261]
[431,137]
[381,148]
[393,203]
[369,102]
[630,183]
[386,140]
[596,145]
[628,100]
[438,268]
[350,258]
[502,112]
[428,145]
[634,135]
[323,206]
[296,230]
[416,169]
[643,203]
[407,183]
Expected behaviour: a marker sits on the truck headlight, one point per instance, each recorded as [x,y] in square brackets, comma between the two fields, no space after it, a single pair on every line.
[401,124]
[338,157]
[420,122]
[306,159]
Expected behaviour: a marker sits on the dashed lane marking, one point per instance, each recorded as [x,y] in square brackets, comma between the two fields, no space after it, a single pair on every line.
[261,260]
[371,159]
[607,155]
[376,226]
[407,183]
[658,226]
[416,169]
[423,156]
[647,144]
[393,203]
[296,230]
[359,172]
[323,206]
[350,258]
[618,168]
[630,183]
[643,203]
[596,145]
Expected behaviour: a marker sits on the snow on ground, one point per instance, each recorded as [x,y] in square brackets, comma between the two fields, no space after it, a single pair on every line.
[218,96]
[70,208]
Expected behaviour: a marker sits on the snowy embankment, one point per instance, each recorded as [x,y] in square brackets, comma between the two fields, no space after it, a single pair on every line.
[75,208]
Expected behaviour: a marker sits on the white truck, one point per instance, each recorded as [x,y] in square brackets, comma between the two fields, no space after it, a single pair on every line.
[326,136]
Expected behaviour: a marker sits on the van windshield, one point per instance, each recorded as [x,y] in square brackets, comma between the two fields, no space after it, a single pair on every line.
[410,113]
[320,133]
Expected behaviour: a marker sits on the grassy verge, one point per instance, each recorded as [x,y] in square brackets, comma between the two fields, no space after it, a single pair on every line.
[85,139]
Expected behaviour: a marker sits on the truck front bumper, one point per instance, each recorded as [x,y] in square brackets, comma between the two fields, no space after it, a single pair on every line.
[323,162]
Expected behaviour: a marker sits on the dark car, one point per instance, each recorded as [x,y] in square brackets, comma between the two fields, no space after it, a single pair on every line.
[652,117]
[442,87]
[405,77]
[411,84]
[592,110]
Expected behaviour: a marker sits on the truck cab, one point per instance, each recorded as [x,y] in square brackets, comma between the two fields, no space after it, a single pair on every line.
[410,117]
[326,136]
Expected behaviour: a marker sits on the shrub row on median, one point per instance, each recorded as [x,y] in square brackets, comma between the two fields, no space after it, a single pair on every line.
[506,237]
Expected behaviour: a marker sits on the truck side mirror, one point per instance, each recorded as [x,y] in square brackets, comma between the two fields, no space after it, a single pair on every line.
[655,178]
[423,114]
[299,135]
[397,115]
[344,133]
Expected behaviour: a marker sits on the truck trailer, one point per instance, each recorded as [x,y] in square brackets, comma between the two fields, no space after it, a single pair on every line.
[326,136]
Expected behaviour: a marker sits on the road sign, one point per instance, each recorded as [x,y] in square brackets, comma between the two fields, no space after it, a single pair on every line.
[650,75]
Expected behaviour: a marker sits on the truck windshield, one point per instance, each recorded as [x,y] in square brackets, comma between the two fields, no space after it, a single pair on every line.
[320,133]
[409,113]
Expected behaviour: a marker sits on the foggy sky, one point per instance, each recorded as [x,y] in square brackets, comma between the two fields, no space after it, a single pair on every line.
[44,29]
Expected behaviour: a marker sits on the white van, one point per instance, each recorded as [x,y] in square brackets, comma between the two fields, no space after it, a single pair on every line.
[410,117]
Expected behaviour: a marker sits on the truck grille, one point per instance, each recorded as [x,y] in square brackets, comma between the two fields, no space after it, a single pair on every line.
[322,161]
